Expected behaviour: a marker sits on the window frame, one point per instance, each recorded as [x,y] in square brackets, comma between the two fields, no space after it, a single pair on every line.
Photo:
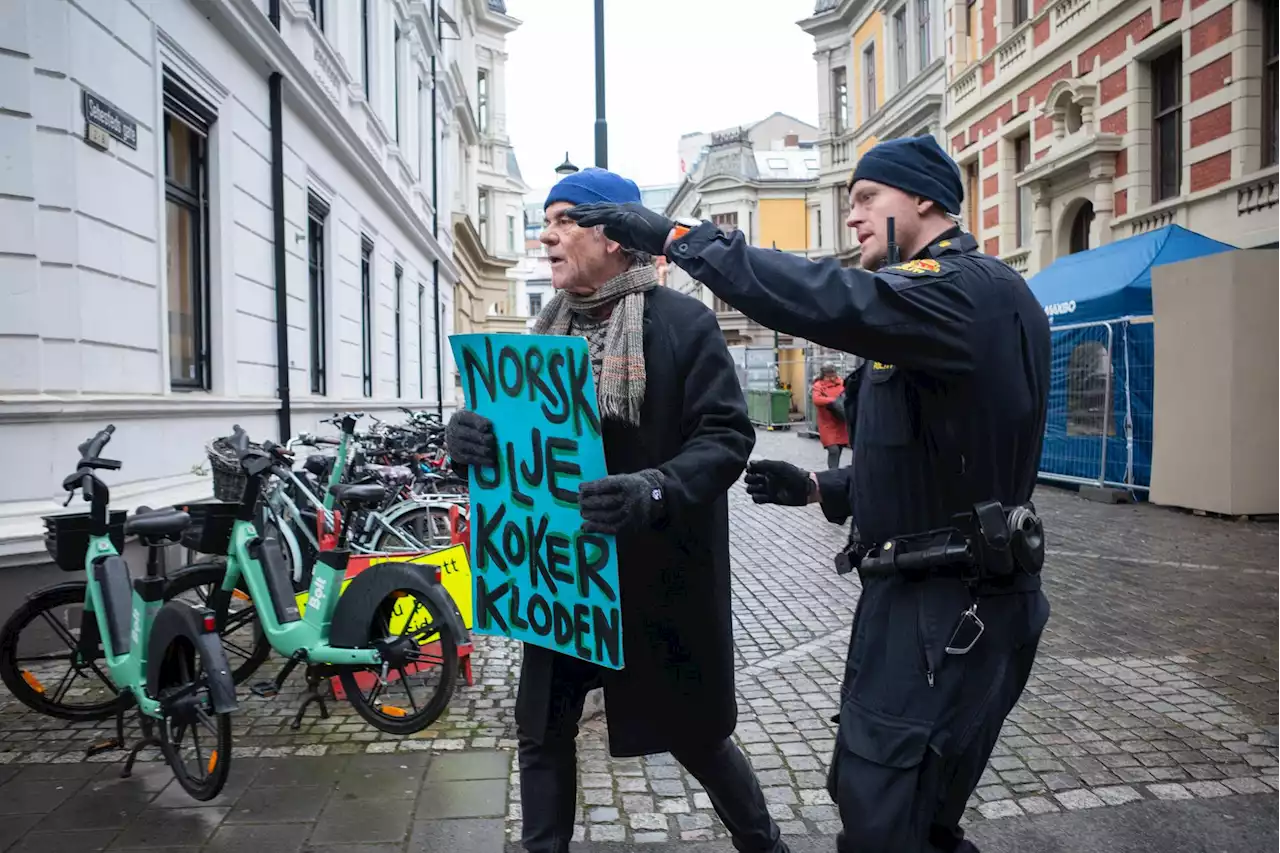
[422,342]
[482,100]
[1022,195]
[840,99]
[395,73]
[317,286]
[365,45]
[1021,12]
[901,47]
[366,315]
[535,304]
[1163,116]
[317,13]
[869,103]
[924,35]
[183,105]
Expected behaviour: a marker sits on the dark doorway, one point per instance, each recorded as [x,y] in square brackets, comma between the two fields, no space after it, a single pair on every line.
[1079,241]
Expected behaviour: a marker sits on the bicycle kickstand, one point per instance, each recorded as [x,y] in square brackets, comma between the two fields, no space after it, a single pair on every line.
[314,678]
[147,739]
[269,689]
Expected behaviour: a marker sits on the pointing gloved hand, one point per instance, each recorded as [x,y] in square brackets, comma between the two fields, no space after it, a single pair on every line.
[633,225]
[772,482]
[470,440]
[623,502]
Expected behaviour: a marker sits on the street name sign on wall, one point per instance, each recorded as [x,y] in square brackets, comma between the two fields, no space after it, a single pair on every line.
[106,116]
[538,577]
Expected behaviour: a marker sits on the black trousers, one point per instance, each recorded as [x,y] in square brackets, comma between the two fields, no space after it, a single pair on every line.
[549,765]
[833,456]
[917,725]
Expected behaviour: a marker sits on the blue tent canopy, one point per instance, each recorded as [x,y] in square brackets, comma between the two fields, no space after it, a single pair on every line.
[1114,280]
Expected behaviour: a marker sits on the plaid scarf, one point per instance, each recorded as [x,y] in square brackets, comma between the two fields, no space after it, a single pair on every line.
[620,380]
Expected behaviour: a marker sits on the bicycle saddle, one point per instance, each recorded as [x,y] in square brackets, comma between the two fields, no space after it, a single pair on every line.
[359,493]
[167,523]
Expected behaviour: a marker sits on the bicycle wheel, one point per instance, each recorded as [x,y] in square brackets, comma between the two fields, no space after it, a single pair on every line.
[409,627]
[239,628]
[194,739]
[42,662]
[428,525]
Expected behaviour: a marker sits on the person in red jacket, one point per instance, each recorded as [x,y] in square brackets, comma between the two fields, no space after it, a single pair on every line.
[832,431]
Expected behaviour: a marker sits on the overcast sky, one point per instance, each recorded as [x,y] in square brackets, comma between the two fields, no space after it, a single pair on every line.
[672,67]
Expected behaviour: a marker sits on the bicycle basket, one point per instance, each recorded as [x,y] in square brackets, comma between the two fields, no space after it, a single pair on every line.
[210,529]
[66,537]
[228,476]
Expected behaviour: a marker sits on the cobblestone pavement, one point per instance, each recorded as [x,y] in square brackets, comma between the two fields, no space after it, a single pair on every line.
[1156,678]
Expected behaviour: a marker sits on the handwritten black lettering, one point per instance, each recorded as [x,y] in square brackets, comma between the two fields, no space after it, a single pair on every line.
[534,363]
[607,626]
[509,362]
[517,621]
[593,555]
[471,366]
[534,535]
[558,556]
[516,495]
[563,623]
[579,373]
[486,531]
[487,603]
[539,615]
[533,478]
[581,630]
[513,543]
[557,467]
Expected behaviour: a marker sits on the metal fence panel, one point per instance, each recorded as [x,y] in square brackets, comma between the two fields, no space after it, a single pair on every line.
[1098,425]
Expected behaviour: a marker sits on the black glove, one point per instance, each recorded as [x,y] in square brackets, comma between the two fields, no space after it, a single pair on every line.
[469,440]
[633,225]
[772,482]
[623,502]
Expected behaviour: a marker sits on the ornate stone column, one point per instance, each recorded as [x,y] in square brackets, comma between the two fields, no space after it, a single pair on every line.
[1102,171]
[1041,226]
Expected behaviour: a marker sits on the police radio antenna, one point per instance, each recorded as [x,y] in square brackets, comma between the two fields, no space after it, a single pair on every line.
[891,256]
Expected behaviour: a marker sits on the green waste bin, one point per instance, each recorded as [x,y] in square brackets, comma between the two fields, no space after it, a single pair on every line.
[769,407]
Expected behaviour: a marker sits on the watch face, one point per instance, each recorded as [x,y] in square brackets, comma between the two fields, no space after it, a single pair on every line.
[656,494]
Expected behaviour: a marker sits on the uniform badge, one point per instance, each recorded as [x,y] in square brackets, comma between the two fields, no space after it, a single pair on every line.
[924,266]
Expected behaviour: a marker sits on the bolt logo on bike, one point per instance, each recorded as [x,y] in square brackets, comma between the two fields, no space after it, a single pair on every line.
[162,657]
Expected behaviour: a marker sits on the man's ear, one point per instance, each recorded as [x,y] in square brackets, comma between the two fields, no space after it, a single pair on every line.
[924,205]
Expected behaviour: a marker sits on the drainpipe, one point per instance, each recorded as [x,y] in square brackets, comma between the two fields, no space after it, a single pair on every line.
[435,223]
[275,84]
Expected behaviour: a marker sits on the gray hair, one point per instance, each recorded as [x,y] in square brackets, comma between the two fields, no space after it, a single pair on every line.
[633,256]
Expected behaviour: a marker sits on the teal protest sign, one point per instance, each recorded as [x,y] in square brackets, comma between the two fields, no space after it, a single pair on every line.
[537,576]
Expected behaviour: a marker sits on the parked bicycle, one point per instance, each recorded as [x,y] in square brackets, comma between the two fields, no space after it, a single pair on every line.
[391,629]
[163,658]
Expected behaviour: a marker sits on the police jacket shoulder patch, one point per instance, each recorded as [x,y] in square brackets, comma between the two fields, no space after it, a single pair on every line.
[922,266]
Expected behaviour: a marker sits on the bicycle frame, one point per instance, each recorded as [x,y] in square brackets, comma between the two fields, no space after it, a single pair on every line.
[129,670]
[310,634]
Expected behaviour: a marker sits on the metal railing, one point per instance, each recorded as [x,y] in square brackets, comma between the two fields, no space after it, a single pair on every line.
[1098,426]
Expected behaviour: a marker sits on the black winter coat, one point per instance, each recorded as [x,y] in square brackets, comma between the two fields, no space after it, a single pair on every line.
[677,631]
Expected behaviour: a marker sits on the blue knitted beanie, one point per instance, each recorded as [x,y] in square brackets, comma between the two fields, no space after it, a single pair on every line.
[591,185]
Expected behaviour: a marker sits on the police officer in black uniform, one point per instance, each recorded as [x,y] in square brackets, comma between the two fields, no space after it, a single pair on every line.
[946,420]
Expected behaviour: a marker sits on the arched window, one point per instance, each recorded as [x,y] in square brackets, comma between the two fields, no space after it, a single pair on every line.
[1088,394]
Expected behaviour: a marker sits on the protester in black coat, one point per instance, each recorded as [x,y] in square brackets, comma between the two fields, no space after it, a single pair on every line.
[676,437]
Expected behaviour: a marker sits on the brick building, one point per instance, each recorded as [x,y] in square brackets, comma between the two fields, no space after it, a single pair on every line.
[1079,122]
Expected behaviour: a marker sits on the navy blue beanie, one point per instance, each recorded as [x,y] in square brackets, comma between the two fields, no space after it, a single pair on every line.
[915,165]
[591,185]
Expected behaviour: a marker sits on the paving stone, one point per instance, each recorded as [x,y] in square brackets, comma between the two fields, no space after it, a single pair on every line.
[645,820]
[1037,805]
[1117,795]
[1169,791]
[1079,799]
[1247,786]
[1207,789]
[999,809]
